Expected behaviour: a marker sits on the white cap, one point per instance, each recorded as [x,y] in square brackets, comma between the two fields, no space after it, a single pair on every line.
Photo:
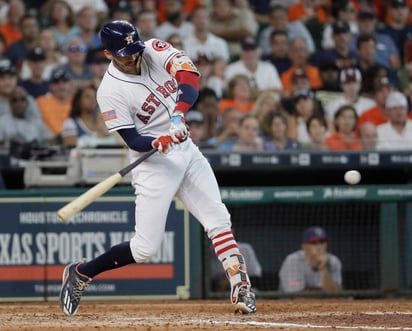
[349,75]
[396,99]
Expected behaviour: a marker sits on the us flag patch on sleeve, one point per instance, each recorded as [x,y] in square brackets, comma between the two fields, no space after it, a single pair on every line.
[109,115]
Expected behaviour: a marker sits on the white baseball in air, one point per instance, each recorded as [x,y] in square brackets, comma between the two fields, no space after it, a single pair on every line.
[352,177]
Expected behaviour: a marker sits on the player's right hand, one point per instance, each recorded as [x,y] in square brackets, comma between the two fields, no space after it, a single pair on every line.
[163,143]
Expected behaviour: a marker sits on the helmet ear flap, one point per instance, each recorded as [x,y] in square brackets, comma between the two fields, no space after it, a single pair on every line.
[121,38]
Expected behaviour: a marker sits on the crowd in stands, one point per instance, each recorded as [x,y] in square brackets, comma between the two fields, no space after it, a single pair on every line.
[275,75]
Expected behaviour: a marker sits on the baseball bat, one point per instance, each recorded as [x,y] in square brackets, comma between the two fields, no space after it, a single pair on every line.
[92,194]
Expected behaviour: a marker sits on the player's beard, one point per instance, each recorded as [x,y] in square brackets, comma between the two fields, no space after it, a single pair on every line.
[138,63]
[129,65]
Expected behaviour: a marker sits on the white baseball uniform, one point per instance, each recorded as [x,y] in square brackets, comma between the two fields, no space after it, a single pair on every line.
[145,102]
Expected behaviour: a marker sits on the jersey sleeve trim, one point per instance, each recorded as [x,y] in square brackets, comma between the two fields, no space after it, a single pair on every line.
[120,127]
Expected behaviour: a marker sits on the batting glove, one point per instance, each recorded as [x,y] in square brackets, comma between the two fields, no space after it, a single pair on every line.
[163,143]
[178,128]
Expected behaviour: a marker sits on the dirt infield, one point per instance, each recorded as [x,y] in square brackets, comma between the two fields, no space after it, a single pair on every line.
[298,314]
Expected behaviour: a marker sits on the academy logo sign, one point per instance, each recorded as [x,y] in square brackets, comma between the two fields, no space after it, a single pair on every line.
[344,193]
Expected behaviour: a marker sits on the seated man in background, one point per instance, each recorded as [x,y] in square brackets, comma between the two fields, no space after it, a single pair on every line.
[312,267]
[396,134]
[196,123]
[17,126]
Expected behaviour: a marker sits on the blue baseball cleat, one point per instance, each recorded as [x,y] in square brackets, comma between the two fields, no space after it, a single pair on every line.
[73,286]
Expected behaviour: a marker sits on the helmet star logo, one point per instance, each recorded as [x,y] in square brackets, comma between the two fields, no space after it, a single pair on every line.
[129,39]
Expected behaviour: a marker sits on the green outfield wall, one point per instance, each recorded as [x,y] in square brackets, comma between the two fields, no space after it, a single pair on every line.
[370,229]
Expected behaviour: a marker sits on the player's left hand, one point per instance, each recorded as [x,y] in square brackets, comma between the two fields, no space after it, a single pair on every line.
[163,143]
[178,128]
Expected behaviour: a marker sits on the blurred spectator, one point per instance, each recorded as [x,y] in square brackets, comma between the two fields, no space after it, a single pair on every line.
[398,28]
[371,77]
[146,23]
[233,25]
[344,138]
[98,6]
[313,14]
[204,66]
[299,55]
[344,11]
[278,21]
[279,51]
[341,54]
[85,126]
[312,268]
[368,136]
[307,10]
[285,3]
[263,75]
[17,51]
[266,103]
[239,95]
[4,7]
[298,82]
[202,41]
[175,40]
[386,52]
[10,30]
[121,12]
[227,132]
[217,78]
[77,69]
[405,72]
[8,82]
[52,52]
[405,76]
[55,107]
[196,123]
[396,134]
[249,137]
[208,105]
[133,7]
[384,12]
[317,130]
[35,85]
[61,21]
[305,105]
[151,4]
[278,139]
[366,50]
[329,75]
[25,72]
[2,46]
[187,8]
[259,8]
[350,80]
[175,22]
[18,126]
[98,63]
[87,21]
[378,114]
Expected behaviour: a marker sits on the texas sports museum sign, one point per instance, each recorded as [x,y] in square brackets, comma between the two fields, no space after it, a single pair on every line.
[35,246]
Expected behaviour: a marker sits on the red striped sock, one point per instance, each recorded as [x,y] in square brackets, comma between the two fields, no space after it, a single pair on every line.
[225,245]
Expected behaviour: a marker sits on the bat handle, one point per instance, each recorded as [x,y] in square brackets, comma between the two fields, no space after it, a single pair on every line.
[134,164]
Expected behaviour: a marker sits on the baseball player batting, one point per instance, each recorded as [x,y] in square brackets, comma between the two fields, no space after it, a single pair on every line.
[147,88]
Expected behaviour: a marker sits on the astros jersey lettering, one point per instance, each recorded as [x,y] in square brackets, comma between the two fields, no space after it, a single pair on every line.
[143,101]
